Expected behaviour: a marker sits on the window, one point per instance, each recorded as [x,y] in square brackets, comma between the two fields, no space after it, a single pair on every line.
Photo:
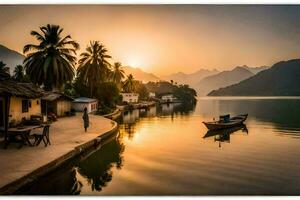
[25,106]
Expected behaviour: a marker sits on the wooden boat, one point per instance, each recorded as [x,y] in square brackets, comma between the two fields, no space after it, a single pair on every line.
[226,121]
[227,131]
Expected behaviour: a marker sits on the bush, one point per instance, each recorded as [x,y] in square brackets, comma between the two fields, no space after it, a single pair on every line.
[104,110]
[108,94]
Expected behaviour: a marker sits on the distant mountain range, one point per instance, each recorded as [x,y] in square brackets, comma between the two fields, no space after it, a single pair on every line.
[282,79]
[204,81]
[140,75]
[190,79]
[255,70]
[10,57]
[222,79]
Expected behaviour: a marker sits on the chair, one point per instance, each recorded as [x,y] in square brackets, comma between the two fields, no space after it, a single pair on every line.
[38,137]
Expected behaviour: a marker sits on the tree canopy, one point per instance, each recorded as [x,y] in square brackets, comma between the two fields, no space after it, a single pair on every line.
[52,61]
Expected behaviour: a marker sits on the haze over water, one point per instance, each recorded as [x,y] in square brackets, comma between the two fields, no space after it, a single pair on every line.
[163,152]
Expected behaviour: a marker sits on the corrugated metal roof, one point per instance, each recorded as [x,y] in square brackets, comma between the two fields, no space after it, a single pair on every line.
[84,100]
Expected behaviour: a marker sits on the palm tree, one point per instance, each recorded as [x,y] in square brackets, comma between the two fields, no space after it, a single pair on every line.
[4,71]
[51,62]
[93,66]
[129,84]
[19,73]
[117,73]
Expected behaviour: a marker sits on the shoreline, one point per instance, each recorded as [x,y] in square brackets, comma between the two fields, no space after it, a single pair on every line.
[59,161]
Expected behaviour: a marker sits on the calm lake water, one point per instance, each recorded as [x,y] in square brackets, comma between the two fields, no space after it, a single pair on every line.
[163,152]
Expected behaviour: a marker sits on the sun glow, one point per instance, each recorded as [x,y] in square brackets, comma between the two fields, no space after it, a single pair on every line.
[134,62]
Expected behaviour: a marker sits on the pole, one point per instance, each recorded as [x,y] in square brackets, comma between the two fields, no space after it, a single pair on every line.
[6,119]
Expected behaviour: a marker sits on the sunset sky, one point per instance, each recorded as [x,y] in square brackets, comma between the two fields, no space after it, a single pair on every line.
[164,39]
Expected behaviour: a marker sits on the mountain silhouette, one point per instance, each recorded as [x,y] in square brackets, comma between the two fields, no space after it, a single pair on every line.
[10,57]
[282,79]
[222,79]
[190,79]
[140,75]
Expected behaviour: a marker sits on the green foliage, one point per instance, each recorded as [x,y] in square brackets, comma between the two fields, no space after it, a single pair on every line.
[104,110]
[129,84]
[142,90]
[19,75]
[117,74]
[93,66]
[4,71]
[107,93]
[160,88]
[185,94]
[70,90]
[282,79]
[79,89]
[51,62]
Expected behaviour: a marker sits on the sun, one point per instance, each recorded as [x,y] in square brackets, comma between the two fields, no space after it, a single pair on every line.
[134,62]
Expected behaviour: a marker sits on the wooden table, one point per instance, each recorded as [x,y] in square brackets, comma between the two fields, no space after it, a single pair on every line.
[23,132]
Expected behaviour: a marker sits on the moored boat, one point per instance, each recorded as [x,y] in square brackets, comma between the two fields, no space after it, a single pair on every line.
[226,121]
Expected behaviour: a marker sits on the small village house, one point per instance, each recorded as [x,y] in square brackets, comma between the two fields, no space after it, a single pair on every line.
[56,103]
[130,97]
[83,102]
[168,98]
[151,94]
[18,101]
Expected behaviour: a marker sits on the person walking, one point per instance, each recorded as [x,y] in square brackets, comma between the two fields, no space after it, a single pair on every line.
[85,118]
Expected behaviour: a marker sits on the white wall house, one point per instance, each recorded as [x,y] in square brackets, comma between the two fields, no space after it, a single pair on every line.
[130,97]
[168,98]
[18,101]
[83,102]
[151,94]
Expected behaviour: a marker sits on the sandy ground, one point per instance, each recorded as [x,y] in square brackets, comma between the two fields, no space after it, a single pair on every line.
[65,135]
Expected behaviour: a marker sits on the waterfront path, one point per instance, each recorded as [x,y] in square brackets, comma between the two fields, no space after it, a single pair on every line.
[65,134]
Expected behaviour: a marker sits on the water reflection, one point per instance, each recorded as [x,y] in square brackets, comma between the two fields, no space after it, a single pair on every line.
[97,168]
[129,119]
[166,156]
[94,167]
[224,135]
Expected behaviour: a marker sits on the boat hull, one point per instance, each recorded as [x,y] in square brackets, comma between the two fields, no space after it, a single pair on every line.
[235,121]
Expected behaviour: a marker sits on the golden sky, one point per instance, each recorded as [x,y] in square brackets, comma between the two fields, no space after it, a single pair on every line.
[165,39]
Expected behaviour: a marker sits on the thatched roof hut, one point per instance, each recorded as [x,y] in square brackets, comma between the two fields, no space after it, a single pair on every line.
[17,101]
[57,103]
[24,90]
[52,96]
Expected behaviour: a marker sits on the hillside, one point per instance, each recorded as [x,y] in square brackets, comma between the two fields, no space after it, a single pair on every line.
[160,88]
[140,75]
[10,57]
[282,79]
[191,79]
[222,79]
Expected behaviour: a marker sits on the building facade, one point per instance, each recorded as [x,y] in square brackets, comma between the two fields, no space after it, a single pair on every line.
[56,103]
[151,94]
[83,102]
[168,98]
[130,97]
[18,101]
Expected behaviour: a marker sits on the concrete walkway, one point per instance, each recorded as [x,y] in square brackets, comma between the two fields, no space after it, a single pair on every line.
[65,135]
